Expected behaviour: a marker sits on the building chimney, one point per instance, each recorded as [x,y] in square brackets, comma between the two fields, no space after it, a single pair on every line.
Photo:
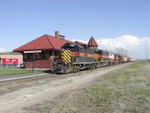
[57,34]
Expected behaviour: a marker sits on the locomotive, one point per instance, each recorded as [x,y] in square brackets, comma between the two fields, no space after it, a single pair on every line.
[74,57]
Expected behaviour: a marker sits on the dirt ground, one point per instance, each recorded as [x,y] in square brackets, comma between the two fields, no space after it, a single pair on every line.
[24,96]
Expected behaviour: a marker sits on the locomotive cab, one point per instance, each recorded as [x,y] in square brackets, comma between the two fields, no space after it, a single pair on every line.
[71,47]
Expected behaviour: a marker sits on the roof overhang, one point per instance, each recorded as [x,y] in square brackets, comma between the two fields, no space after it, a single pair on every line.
[44,49]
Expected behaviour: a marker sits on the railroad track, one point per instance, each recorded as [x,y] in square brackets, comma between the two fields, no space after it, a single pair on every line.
[17,94]
[23,76]
[37,76]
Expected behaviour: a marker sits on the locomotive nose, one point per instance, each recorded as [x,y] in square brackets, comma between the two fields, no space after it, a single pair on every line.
[65,56]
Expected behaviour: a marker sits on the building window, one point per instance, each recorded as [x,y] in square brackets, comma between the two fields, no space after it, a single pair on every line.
[24,57]
[38,56]
[45,55]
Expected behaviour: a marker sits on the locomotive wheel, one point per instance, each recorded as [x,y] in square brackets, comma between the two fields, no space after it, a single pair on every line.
[66,69]
[96,65]
[91,67]
[75,70]
[99,65]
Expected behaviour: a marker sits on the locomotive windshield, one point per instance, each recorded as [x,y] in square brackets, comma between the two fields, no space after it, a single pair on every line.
[71,47]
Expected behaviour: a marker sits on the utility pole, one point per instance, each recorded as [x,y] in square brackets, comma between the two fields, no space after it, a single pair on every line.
[146,49]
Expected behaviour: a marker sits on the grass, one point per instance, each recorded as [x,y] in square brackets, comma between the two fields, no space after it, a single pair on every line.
[6,72]
[124,91]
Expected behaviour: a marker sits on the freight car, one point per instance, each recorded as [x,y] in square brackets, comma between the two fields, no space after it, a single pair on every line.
[75,57]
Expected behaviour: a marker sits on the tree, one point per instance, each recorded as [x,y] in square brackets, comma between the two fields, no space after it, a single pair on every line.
[121,51]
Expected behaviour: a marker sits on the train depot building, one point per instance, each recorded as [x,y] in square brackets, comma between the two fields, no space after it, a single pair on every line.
[41,51]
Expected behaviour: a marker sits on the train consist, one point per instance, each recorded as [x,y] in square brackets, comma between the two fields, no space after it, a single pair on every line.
[75,57]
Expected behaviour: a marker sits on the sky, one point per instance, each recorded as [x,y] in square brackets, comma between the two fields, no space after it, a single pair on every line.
[113,23]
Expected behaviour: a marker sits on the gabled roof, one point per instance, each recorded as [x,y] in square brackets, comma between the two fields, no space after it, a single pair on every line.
[45,42]
[92,43]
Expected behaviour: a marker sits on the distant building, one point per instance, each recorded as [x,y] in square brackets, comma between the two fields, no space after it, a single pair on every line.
[10,59]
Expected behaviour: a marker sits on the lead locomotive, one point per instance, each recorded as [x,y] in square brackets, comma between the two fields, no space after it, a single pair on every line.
[74,57]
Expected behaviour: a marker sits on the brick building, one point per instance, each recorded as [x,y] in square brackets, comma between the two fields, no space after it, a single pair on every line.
[46,47]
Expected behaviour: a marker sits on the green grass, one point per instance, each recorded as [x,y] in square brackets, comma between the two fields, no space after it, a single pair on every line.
[6,72]
[123,91]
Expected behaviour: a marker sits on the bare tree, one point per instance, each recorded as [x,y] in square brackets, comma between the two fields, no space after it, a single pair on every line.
[121,51]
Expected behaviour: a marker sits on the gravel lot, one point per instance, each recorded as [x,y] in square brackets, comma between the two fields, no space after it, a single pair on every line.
[18,96]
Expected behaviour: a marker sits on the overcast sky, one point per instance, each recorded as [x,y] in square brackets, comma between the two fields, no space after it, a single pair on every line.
[113,23]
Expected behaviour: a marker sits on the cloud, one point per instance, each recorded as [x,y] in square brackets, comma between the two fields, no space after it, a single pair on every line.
[136,47]
[2,50]
[126,41]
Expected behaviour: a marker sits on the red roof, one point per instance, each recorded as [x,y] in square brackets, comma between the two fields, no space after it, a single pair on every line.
[92,43]
[44,42]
